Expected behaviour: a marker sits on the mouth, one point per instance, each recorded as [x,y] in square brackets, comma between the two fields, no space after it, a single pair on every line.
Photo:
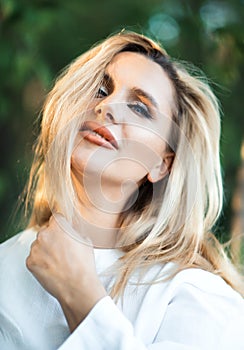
[99,135]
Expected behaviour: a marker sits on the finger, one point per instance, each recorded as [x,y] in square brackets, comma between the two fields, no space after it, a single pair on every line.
[35,242]
[29,260]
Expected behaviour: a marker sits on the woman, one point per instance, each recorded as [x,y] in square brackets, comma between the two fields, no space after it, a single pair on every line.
[124,189]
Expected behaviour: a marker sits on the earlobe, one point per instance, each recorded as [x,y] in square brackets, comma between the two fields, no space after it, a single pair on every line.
[157,173]
[168,161]
[153,176]
[162,169]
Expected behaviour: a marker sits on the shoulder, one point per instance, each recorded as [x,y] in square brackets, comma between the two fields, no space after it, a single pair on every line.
[198,289]
[28,314]
[19,242]
[214,305]
[205,282]
[201,295]
[15,279]
[205,309]
[13,254]
[15,250]
[204,286]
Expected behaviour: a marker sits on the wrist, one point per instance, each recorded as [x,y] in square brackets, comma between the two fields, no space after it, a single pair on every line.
[78,302]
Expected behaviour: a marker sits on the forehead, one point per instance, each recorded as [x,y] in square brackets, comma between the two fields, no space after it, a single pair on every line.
[130,69]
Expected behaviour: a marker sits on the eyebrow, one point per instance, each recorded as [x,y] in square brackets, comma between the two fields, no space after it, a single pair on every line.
[134,91]
[146,95]
[107,79]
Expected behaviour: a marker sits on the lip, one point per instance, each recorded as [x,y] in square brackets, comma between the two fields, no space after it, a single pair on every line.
[107,140]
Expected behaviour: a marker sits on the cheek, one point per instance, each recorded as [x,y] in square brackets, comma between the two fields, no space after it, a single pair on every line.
[140,151]
[130,163]
[77,162]
[146,144]
[78,158]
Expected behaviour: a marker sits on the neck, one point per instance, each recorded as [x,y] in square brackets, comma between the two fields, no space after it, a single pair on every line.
[100,208]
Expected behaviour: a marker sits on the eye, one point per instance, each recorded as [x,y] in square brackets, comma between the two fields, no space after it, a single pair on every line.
[141,109]
[102,92]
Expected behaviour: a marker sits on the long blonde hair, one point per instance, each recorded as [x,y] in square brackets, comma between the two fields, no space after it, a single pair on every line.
[172,226]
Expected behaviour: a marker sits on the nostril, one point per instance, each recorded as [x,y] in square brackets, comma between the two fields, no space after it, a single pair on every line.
[110,117]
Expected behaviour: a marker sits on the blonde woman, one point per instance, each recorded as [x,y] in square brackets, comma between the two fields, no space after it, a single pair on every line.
[124,190]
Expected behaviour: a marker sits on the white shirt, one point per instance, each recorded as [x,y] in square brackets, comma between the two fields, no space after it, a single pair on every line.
[195,310]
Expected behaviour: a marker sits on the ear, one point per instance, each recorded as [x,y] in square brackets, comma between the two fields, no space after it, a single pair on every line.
[162,169]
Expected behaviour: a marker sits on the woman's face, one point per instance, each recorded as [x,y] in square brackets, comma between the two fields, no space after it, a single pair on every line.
[124,138]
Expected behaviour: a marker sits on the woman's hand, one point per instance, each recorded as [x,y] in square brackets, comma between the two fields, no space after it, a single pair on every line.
[65,267]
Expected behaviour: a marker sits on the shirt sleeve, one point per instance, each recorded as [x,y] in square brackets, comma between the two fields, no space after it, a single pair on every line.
[106,327]
[194,320]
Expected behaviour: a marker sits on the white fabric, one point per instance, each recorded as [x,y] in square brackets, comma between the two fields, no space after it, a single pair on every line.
[195,310]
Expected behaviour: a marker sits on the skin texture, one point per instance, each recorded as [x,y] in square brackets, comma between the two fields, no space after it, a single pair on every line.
[65,267]
[105,178]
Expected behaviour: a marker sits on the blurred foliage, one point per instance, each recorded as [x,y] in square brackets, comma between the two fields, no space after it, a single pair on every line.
[40,37]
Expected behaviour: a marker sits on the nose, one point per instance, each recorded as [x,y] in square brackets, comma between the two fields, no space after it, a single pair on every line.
[105,112]
[112,109]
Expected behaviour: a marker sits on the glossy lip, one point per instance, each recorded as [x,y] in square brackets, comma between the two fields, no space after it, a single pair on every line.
[108,140]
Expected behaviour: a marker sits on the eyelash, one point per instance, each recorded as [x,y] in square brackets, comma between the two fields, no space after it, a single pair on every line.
[102,92]
[137,107]
[140,108]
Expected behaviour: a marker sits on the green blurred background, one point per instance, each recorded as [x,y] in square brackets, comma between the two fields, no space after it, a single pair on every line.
[40,37]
